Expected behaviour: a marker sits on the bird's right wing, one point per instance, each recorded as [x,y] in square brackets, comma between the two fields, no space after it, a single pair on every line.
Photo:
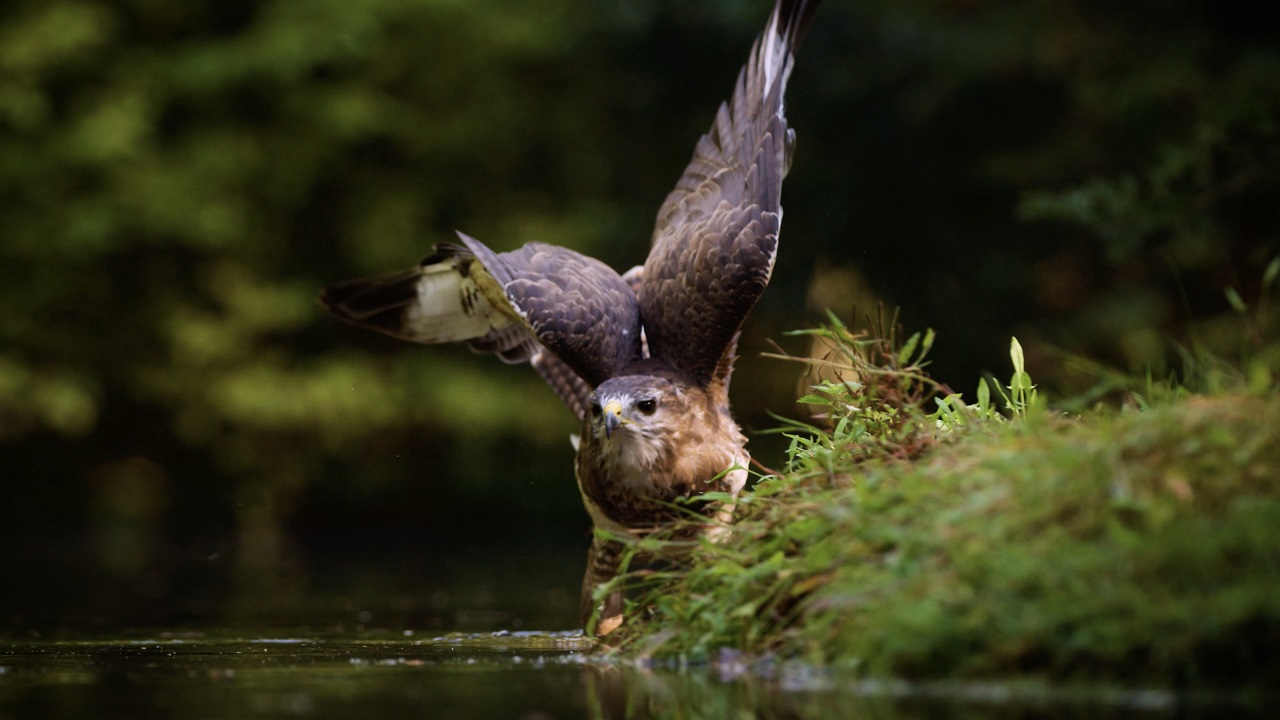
[716,234]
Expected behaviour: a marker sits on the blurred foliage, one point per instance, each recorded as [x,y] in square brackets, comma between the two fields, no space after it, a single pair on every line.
[178,179]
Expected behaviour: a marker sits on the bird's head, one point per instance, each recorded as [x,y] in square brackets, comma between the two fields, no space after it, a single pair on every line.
[632,405]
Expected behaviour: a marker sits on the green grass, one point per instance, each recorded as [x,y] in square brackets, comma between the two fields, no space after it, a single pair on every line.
[912,535]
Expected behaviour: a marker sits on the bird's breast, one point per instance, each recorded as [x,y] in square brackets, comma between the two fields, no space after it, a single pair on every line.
[633,481]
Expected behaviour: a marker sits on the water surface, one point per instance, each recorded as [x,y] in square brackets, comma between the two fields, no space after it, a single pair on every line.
[480,637]
[373,673]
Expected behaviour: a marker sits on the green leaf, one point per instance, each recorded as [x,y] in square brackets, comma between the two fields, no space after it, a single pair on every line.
[1237,302]
[1015,354]
[1269,275]
[909,347]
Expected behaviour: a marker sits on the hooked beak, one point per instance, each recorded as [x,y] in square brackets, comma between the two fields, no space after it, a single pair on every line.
[612,417]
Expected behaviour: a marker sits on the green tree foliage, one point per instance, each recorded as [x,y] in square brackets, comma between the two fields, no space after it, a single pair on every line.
[1088,174]
[178,182]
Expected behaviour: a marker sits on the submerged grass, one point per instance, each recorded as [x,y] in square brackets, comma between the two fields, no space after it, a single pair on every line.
[913,535]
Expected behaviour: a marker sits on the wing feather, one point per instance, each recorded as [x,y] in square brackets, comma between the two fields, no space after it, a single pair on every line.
[571,317]
[716,234]
[575,306]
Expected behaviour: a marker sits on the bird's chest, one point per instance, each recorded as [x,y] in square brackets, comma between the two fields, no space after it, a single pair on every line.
[629,483]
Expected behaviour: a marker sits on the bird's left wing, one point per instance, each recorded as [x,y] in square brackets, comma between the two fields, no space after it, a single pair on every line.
[717,233]
[571,317]
[580,309]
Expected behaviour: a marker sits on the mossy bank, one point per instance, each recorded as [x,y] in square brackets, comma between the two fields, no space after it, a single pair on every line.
[1138,544]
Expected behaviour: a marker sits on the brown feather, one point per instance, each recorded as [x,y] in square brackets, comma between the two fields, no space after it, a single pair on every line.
[716,234]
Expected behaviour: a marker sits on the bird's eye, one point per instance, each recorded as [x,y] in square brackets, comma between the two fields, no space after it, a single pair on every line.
[595,410]
[647,406]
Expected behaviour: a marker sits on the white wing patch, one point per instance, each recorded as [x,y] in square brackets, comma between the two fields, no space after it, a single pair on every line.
[450,307]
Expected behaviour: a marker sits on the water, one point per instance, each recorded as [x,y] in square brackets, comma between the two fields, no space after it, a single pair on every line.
[532,675]
[528,675]
[373,641]
[222,675]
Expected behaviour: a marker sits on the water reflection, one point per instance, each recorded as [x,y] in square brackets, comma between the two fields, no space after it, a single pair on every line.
[529,675]
[615,693]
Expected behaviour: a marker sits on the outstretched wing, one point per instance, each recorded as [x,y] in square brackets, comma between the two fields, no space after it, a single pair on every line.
[571,317]
[717,233]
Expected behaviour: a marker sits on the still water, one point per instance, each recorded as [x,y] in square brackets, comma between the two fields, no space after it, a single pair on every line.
[483,637]
[375,673]
[531,675]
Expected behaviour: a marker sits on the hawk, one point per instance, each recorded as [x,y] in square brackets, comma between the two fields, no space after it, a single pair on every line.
[643,359]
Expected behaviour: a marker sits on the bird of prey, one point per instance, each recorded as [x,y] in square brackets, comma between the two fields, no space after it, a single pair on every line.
[643,358]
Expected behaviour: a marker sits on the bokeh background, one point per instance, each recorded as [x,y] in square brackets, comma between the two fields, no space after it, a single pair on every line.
[185,438]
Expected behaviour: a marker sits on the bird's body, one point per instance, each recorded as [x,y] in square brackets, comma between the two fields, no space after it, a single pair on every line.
[650,445]
[643,359]
[682,446]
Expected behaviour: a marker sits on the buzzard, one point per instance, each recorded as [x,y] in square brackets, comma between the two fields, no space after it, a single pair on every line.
[644,358]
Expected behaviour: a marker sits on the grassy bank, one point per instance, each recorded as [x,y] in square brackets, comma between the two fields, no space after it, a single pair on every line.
[912,535]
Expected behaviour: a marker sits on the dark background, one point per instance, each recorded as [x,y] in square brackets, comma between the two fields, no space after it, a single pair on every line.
[184,437]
